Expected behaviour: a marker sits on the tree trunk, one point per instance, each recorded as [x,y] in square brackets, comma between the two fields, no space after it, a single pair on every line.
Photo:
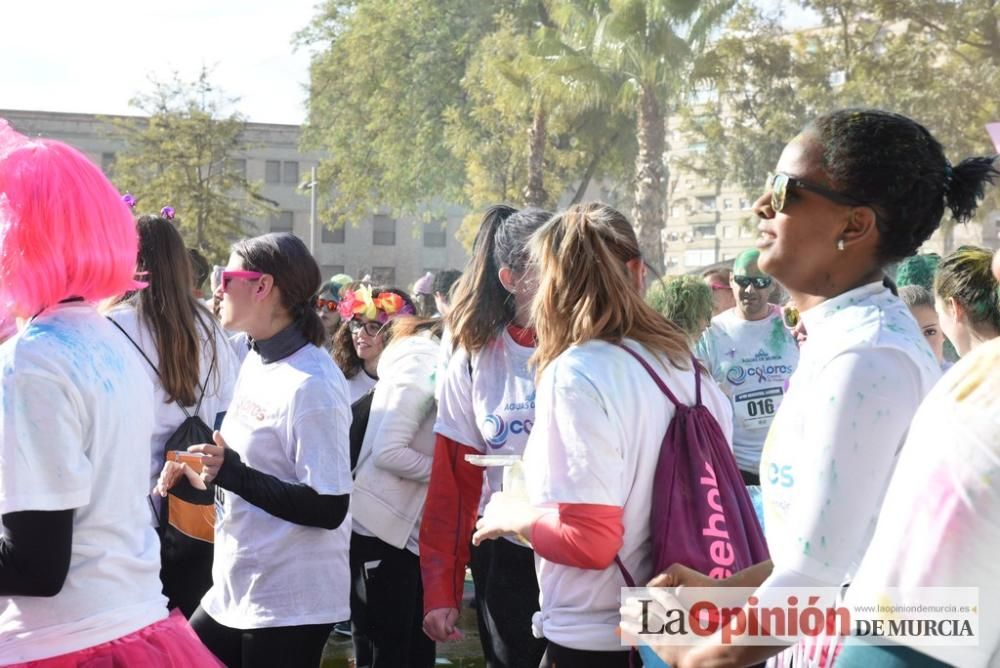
[534,191]
[650,174]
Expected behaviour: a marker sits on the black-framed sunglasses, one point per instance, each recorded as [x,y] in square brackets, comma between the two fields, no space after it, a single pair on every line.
[759,282]
[779,184]
[371,327]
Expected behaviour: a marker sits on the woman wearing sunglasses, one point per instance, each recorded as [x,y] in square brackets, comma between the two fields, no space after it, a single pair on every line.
[281,574]
[327,301]
[359,340]
[855,191]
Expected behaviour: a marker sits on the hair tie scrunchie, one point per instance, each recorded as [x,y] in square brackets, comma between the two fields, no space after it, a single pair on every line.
[167,212]
[129,200]
[949,174]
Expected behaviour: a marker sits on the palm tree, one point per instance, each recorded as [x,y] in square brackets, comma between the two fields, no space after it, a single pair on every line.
[641,54]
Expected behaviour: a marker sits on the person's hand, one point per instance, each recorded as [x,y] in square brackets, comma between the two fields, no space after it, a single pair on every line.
[677,575]
[172,473]
[505,515]
[212,457]
[440,625]
[639,619]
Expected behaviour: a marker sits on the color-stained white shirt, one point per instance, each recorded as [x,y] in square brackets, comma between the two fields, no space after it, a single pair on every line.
[752,361]
[75,430]
[834,442]
[940,522]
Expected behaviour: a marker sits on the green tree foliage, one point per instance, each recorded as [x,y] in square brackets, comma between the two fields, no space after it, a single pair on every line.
[181,154]
[381,87]
[643,52]
[422,102]
[933,60]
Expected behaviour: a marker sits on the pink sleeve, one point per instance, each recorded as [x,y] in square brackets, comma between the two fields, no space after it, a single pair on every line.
[582,535]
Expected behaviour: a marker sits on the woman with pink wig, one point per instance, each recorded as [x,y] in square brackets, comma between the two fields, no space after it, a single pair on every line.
[79,559]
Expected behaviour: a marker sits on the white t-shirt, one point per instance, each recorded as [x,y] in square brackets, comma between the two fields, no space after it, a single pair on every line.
[167,415]
[76,427]
[491,408]
[940,522]
[600,423]
[752,361]
[289,419]
[359,385]
[833,444]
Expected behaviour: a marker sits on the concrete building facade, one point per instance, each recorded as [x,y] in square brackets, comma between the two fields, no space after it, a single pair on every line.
[392,251]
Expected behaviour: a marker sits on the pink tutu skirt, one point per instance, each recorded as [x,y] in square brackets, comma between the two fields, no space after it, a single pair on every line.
[170,643]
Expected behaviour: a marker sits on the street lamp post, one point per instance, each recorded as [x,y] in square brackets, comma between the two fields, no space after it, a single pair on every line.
[311,185]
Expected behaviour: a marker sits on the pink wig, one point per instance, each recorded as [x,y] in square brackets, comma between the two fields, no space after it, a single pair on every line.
[64,229]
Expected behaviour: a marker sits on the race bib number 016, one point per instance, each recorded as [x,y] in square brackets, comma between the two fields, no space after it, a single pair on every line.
[757,408]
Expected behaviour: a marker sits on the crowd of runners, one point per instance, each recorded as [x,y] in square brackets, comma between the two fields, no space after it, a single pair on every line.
[223,479]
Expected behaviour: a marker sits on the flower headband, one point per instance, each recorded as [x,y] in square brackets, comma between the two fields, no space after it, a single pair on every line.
[379,307]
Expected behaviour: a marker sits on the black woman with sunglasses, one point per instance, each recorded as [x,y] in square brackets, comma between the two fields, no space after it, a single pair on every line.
[751,354]
[855,191]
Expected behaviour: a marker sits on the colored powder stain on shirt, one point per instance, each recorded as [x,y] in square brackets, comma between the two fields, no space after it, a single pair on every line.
[777,338]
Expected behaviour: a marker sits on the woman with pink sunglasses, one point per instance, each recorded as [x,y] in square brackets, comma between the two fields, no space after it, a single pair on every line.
[281,574]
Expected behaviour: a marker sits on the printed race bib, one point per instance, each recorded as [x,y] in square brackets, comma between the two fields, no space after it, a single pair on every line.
[756,408]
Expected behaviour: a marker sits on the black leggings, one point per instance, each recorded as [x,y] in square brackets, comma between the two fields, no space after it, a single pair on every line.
[387,606]
[286,646]
[506,598]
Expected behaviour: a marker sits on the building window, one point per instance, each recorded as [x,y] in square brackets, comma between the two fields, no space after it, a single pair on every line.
[107,162]
[727,204]
[744,203]
[283,222]
[699,258]
[727,232]
[238,167]
[290,173]
[435,235]
[335,235]
[706,203]
[272,171]
[384,276]
[383,230]
[704,231]
[331,270]
[745,232]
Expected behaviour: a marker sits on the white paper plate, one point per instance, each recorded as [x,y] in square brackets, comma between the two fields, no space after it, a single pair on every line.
[492,460]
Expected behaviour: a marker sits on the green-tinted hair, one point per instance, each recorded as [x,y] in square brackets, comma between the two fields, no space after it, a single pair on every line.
[745,259]
[918,270]
[966,277]
[684,300]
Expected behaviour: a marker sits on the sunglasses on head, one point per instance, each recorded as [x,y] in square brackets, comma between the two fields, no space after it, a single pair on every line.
[370,327]
[325,304]
[779,184]
[759,282]
[228,276]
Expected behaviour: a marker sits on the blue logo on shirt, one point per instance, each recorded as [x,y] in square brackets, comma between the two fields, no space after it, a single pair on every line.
[496,430]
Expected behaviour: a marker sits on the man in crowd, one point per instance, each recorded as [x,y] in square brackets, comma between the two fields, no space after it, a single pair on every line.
[751,355]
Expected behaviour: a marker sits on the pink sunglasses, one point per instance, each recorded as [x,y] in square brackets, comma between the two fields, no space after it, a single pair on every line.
[228,276]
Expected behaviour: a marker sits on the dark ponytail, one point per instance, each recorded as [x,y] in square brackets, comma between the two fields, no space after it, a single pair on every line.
[965,185]
[296,274]
[481,306]
[896,166]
